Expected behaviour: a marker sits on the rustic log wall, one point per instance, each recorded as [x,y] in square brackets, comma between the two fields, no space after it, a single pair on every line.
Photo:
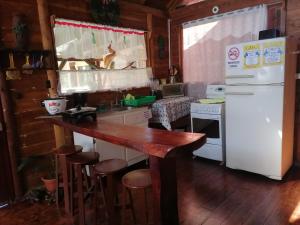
[36,137]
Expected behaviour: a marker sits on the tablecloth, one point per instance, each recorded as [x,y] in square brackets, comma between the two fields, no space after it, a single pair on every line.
[167,110]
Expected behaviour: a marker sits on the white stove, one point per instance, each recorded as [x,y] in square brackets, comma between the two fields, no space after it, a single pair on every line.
[208,116]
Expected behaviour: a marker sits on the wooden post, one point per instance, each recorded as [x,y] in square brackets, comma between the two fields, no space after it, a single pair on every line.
[150,60]
[164,190]
[47,42]
[11,133]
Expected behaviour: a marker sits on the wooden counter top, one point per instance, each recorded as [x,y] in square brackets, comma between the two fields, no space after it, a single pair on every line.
[159,143]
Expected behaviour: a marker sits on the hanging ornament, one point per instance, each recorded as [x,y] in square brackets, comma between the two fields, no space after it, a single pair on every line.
[105,11]
[93,38]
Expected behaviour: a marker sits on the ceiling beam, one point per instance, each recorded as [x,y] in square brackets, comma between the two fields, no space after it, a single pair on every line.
[171,5]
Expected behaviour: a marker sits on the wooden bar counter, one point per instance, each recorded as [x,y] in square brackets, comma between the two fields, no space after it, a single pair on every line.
[162,147]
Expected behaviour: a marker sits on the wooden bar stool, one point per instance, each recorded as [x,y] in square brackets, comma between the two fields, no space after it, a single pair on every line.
[137,179]
[108,168]
[78,163]
[61,155]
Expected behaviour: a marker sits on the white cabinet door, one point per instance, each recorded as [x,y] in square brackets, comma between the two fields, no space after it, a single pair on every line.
[139,118]
[108,150]
[133,156]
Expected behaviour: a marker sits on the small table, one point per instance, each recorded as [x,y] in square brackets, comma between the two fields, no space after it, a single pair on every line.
[162,147]
[165,111]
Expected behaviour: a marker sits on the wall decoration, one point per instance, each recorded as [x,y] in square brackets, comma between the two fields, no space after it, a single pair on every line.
[105,11]
[20,29]
[161,46]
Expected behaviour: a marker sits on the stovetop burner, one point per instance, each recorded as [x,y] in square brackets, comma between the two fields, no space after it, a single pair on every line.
[79,114]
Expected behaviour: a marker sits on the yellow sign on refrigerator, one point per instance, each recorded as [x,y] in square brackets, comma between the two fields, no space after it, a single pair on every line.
[273,53]
[251,56]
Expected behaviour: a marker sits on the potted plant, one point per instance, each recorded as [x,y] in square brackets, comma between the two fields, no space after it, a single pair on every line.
[41,164]
[50,180]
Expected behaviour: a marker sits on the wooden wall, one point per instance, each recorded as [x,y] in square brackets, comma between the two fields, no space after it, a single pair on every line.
[293,29]
[35,136]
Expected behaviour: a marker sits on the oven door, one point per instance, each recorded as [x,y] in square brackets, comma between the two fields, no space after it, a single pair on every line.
[209,125]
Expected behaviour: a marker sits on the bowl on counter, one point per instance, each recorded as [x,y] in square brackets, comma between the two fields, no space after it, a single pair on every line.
[55,105]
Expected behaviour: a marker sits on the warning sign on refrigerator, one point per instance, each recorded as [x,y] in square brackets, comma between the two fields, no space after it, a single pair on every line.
[233,58]
[251,56]
[273,53]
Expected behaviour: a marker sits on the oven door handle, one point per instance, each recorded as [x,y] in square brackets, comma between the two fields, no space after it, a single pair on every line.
[239,76]
[239,93]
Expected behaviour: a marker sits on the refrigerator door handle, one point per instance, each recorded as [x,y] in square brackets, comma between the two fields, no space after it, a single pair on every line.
[239,76]
[239,93]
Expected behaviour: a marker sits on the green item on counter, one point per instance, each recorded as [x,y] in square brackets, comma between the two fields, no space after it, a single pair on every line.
[129,97]
[139,101]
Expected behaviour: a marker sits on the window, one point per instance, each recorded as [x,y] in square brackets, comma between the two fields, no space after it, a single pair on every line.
[205,41]
[93,57]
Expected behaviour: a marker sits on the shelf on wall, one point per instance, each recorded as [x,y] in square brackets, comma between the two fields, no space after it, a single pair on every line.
[19,59]
[25,51]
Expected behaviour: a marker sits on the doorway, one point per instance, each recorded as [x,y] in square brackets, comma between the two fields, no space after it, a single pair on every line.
[6,186]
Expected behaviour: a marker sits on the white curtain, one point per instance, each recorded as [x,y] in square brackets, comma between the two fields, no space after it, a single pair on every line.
[103,80]
[80,40]
[205,40]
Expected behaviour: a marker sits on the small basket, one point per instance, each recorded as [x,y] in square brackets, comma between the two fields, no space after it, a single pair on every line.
[139,101]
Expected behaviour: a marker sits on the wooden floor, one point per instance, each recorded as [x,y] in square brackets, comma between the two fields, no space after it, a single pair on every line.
[209,194]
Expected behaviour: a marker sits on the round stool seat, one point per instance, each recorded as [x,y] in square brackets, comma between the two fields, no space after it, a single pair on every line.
[84,158]
[110,166]
[68,149]
[137,179]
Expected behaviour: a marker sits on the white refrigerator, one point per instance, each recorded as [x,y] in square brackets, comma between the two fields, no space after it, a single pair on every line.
[255,116]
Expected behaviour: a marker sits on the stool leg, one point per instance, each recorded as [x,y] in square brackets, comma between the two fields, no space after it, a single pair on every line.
[86,181]
[57,181]
[146,206]
[131,205]
[78,170]
[123,210]
[95,183]
[103,197]
[64,168]
[71,190]
[110,199]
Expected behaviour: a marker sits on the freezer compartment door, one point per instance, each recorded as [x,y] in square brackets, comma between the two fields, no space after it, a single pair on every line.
[264,75]
[254,129]
[260,62]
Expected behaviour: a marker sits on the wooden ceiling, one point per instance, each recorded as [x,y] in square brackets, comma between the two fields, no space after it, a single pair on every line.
[164,4]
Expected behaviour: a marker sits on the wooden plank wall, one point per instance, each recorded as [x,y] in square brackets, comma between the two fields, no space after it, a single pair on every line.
[202,9]
[36,137]
[293,29]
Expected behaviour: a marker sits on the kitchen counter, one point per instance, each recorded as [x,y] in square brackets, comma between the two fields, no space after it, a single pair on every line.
[162,147]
